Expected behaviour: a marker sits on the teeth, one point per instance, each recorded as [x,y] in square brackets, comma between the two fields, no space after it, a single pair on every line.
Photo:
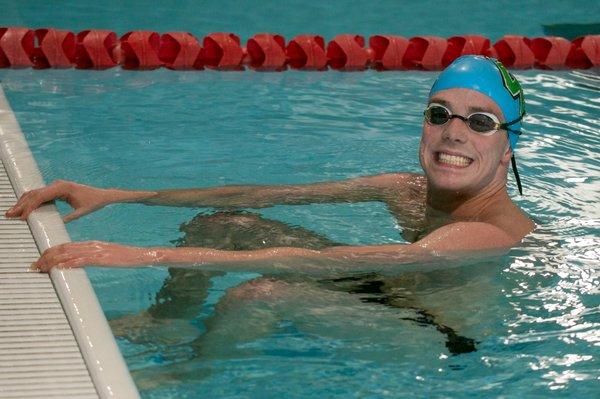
[454,160]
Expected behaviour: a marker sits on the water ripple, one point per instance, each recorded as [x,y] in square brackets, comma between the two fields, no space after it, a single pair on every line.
[533,312]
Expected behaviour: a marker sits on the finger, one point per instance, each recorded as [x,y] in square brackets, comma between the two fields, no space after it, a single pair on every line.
[52,253]
[47,262]
[28,206]
[65,264]
[71,260]
[66,248]
[65,252]
[11,211]
[86,252]
[17,208]
[14,211]
[30,201]
[33,268]
[23,197]
[26,211]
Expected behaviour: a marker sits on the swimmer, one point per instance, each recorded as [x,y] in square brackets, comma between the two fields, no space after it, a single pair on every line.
[460,205]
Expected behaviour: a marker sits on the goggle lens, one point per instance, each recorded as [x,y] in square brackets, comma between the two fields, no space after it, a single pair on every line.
[478,122]
[437,115]
[481,123]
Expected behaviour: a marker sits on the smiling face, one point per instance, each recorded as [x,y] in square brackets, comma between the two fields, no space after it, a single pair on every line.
[455,158]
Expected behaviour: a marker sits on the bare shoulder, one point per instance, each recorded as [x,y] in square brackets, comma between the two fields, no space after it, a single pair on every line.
[465,237]
[513,220]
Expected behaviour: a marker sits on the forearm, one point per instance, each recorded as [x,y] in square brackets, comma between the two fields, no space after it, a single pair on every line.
[368,188]
[115,195]
[268,261]
[217,197]
[290,260]
[263,196]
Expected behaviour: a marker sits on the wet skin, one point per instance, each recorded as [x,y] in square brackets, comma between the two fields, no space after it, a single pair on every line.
[185,290]
[466,169]
[461,201]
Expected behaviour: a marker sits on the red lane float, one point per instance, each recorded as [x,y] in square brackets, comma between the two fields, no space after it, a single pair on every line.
[550,52]
[307,52]
[179,50]
[348,53]
[16,47]
[388,52]
[514,52]
[222,51]
[465,45]
[139,50]
[266,52]
[96,49]
[142,50]
[56,49]
[585,52]
[425,52]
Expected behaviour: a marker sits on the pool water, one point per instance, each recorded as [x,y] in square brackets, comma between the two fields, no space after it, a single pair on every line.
[532,315]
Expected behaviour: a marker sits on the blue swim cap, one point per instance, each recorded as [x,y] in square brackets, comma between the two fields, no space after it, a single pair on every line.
[487,76]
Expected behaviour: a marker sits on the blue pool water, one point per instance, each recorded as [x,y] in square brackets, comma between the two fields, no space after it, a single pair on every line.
[534,312]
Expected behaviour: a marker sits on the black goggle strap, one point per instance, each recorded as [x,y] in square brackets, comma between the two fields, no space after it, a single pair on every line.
[506,125]
[513,162]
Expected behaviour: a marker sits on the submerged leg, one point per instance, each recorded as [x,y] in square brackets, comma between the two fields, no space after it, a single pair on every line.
[322,322]
[185,290]
[253,317]
[246,313]
[254,310]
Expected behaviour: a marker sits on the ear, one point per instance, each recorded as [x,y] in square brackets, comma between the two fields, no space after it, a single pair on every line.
[506,155]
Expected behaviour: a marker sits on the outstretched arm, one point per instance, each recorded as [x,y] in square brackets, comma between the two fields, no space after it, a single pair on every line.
[86,199]
[450,240]
[361,189]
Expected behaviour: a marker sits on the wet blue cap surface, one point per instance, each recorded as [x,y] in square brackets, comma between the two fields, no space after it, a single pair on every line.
[487,76]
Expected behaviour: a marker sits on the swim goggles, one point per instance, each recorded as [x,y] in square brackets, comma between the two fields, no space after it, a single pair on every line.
[483,123]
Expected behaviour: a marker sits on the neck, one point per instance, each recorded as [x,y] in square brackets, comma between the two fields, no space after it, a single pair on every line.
[461,205]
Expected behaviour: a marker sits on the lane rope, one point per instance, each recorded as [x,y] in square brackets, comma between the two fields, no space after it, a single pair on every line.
[146,50]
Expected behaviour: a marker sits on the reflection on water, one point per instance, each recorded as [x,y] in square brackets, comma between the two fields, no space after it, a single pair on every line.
[533,314]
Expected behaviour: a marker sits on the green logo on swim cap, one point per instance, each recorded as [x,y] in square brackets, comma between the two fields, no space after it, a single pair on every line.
[512,85]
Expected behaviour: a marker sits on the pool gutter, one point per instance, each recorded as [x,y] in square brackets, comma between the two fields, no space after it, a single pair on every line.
[96,342]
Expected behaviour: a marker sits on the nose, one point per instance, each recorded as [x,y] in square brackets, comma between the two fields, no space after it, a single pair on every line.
[455,130]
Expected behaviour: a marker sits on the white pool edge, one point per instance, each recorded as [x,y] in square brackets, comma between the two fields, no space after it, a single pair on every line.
[97,344]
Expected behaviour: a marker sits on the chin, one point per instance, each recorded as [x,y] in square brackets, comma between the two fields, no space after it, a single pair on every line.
[453,187]
[455,181]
